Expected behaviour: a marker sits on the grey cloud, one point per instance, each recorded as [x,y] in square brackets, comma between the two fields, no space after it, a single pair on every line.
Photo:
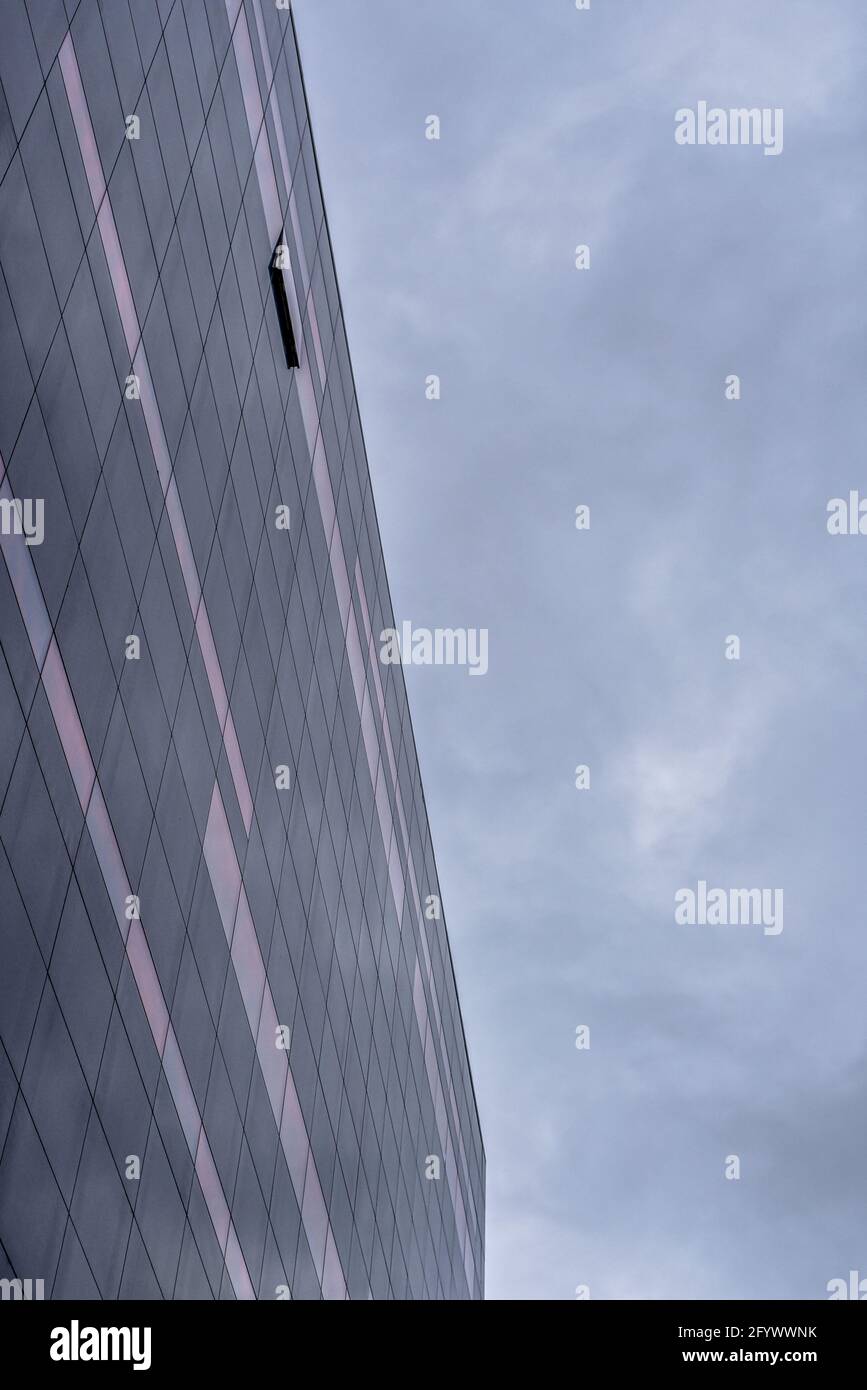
[606,647]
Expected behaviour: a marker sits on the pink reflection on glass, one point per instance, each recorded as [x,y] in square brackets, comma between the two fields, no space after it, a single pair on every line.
[182,1091]
[108,855]
[273,1065]
[356,661]
[69,728]
[209,1181]
[86,137]
[340,576]
[315,1217]
[249,966]
[236,768]
[255,118]
[184,547]
[152,418]
[324,491]
[119,278]
[214,673]
[333,1283]
[212,665]
[148,983]
[237,1266]
[293,1136]
[222,863]
[258,1001]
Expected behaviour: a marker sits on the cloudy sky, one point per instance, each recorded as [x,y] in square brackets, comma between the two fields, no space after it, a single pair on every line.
[606,387]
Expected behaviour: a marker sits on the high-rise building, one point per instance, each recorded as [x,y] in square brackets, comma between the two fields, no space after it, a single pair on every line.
[232,1062]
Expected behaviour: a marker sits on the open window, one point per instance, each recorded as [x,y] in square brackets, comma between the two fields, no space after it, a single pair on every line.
[279,269]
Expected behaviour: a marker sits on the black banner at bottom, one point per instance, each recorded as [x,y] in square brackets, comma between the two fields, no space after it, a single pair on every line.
[165,1338]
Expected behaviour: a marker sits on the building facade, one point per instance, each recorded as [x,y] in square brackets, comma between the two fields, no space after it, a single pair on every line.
[232,1062]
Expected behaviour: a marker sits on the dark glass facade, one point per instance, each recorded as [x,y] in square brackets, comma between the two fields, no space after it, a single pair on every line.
[232,1062]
